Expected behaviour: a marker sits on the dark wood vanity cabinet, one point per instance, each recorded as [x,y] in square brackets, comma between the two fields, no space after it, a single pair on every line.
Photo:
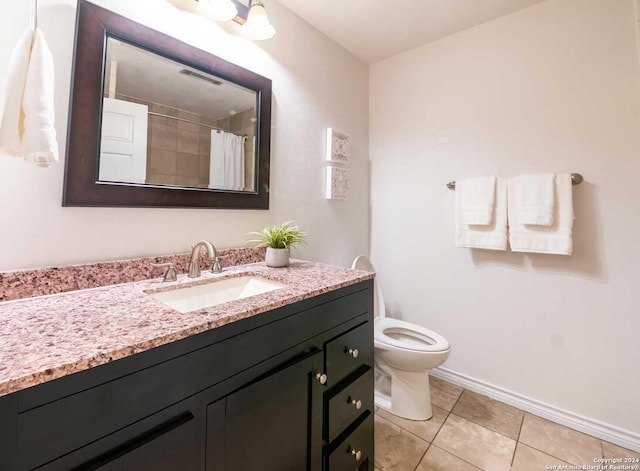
[289,389]
[269,425]
[166,448]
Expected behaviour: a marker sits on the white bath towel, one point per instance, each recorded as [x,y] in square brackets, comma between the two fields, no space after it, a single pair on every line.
[554,239]
[39,140]
[27,127]
[12,124]
[491,237]
[533,199]
[476,200]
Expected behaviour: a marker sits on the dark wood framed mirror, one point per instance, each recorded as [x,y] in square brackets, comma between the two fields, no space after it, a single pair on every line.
[155,122]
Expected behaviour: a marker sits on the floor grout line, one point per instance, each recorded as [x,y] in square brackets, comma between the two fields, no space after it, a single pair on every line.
[549,454]
[484,426]
[407,430]
[422,457]
[449,412]
[513,458]
[524,415]
[461,459]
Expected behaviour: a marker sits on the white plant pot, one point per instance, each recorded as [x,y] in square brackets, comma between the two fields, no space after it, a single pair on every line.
[277,258]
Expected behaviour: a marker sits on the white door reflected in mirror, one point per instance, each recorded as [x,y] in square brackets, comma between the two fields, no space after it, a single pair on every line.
[123,153]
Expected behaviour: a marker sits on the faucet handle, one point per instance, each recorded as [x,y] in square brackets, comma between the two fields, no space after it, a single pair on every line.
[170,274]
[217,265]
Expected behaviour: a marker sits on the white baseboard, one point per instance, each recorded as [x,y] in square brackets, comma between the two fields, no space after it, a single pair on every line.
[610,433]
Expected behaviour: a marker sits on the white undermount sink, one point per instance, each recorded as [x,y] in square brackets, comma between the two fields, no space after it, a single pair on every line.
[217,292]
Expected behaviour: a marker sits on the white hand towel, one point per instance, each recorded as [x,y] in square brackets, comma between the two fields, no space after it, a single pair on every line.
[554,239]
[491,237]
[12,125]
[39,140]
[476,200]
[534,200]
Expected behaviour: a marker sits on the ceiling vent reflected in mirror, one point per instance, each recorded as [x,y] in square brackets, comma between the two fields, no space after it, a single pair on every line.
[193,74]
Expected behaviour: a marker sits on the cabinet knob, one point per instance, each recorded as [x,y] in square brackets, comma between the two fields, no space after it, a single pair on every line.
[357,454]
[322,378]
[353,352]
[356,404]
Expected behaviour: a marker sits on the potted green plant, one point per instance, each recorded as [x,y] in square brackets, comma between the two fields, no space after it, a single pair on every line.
[278,241]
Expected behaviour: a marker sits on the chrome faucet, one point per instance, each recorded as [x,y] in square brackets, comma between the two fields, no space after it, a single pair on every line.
[194,266]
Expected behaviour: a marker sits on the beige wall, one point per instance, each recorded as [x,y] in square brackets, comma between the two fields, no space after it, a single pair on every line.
[316,84]
[552,88]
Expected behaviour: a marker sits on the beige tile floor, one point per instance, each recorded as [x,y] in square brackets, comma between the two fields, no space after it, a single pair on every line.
[470,432]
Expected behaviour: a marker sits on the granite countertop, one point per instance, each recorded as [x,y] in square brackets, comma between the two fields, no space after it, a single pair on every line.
[47,337]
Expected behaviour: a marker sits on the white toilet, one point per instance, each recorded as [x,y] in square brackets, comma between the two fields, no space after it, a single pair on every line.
[404,353]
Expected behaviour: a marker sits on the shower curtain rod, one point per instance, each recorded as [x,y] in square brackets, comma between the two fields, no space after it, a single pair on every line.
[152,113]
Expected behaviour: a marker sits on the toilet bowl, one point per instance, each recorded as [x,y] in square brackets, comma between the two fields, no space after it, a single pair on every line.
[404,353]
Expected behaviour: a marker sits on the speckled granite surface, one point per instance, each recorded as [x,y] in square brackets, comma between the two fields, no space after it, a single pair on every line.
[47,337]
[27,283]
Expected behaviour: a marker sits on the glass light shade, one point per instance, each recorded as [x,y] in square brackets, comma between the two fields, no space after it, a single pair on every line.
[258,26]
[222,10]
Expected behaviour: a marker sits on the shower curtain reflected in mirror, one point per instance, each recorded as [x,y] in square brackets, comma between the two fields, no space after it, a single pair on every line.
[226,170]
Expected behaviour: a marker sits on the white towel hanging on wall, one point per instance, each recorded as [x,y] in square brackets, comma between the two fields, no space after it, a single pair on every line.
[477,196]
[12,124]
[27,126]
[533,199]
[489,237]
[555,239]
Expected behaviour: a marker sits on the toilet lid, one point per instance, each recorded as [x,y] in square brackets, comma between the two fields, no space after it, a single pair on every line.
[363,263]
[408,336]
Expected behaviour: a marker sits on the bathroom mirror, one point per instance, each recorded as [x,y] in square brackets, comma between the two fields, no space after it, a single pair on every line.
[156,122]
[164,123]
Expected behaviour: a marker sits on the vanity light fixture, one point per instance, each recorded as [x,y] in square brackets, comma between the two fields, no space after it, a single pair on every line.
[258,27]
[222,10]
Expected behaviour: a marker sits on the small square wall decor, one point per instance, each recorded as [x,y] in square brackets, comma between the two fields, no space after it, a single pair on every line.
[338,183]
[337,146]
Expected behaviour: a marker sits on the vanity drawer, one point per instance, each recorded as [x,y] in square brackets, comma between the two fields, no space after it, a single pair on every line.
[347,353]
[355,452]
[349,403]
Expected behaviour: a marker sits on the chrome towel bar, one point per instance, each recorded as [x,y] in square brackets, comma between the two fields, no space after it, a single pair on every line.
[576,179]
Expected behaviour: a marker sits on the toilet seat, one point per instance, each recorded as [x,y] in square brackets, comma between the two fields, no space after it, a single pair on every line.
[416,338]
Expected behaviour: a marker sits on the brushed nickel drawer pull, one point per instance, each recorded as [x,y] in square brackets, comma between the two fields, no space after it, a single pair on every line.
[356,404]
[322,378]
[353,352]
[357,454]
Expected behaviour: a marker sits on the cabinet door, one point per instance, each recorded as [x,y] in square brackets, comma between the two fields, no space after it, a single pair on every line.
[168,447]
[272,424]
